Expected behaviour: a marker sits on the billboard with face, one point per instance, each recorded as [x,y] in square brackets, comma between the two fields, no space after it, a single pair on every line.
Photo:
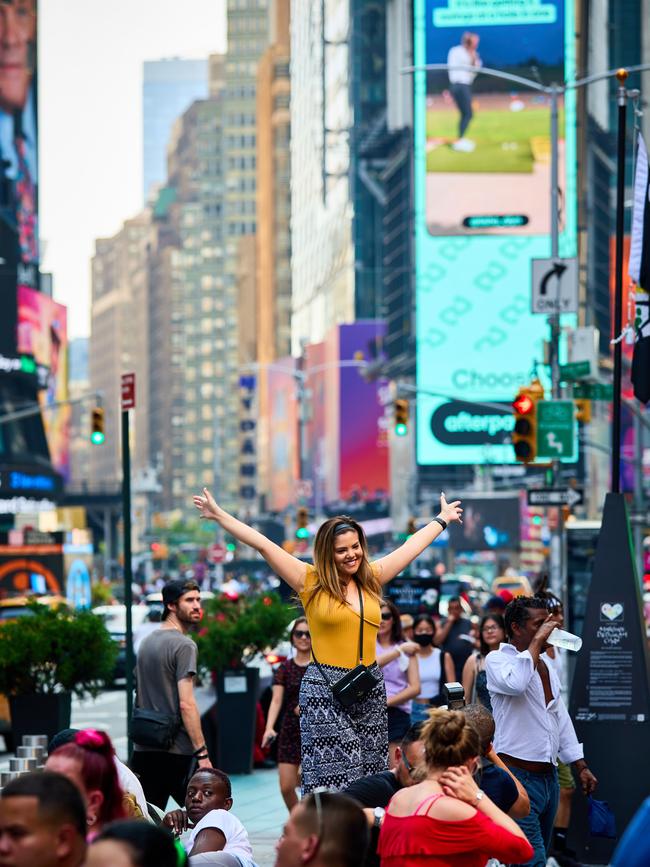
[482,200]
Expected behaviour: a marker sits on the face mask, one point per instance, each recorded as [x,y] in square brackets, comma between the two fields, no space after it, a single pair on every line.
[423,640]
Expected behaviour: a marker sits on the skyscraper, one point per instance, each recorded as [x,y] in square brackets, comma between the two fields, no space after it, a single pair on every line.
[168,88]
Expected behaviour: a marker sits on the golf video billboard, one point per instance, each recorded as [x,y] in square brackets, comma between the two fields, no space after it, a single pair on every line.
[482,200]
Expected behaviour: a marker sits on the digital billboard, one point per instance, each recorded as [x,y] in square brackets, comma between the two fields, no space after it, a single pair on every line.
[42,334]
[282,459]
[482,202]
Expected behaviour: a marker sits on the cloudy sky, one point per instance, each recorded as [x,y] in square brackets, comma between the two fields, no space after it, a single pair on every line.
[90,108]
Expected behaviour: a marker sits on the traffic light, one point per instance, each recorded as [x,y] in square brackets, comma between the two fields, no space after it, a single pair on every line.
[524,435]
[97,434]
[583,409]
[302,519]
[401,413]
[411,527]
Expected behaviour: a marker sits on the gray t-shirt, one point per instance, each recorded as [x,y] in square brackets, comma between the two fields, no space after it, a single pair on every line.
[165,657]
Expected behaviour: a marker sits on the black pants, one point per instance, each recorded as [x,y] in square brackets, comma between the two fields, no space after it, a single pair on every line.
[462,94]
[162,775]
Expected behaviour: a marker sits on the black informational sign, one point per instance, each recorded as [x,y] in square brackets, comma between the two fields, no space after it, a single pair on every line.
[415,595]
[610,694]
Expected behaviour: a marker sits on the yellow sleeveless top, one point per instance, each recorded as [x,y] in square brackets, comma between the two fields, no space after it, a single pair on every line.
[334,627]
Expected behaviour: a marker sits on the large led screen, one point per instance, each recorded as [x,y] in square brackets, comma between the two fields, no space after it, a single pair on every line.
[482,198]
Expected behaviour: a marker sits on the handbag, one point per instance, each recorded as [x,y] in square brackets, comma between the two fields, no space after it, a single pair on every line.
[602,822]
[152,728]
[356,684]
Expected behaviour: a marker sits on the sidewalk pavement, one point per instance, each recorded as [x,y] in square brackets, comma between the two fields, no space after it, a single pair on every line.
[258,804]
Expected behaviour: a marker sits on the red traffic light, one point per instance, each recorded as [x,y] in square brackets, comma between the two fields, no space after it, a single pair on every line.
[523,404]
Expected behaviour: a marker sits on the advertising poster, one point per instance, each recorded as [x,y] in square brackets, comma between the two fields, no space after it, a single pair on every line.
[42,334]
[482,188]
[18,164]
[488,523]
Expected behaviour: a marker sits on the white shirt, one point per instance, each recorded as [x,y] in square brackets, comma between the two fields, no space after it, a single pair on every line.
[237,842]
[526,727]
[460,55]
[430,674]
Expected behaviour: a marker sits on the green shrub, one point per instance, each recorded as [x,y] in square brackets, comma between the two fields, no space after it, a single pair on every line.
[233,631]
[55,650]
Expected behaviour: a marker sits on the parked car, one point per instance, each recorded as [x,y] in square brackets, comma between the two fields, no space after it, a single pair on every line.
[114,617]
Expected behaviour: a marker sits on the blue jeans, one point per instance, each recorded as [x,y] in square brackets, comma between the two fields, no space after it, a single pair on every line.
[544,792]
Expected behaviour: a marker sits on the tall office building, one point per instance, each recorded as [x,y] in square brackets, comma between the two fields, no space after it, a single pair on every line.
[273,236]
[338,117]
[168,88]
[248,39]
[189,335]
[119,341]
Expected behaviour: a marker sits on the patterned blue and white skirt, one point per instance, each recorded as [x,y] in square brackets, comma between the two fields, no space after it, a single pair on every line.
[340,745]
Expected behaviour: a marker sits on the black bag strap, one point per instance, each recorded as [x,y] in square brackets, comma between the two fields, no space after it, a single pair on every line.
[313,655]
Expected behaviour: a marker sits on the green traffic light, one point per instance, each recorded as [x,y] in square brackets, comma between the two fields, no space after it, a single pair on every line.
[302,533]
[401,429]
[97,438]
[230,546]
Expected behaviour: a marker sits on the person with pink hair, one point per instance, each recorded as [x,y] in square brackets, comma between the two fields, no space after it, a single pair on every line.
[88,761]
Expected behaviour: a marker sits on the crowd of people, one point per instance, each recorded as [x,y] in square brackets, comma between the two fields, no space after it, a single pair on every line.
[391,770]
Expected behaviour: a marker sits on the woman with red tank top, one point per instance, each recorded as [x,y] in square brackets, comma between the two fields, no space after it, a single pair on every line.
[446,820]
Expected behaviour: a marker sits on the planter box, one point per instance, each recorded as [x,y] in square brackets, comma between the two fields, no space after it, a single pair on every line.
[236,702]
[36,714]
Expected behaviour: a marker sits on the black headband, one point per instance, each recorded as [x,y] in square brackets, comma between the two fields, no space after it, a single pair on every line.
[343,528]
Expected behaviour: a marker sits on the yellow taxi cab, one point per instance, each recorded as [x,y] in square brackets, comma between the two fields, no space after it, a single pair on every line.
[518,585]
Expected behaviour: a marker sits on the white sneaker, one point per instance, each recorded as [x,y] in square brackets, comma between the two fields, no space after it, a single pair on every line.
[465,145]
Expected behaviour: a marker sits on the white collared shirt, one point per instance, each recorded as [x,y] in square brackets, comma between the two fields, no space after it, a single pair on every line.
[526,727]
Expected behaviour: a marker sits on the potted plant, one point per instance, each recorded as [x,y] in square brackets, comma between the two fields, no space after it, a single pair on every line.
[45,657]
[233,632]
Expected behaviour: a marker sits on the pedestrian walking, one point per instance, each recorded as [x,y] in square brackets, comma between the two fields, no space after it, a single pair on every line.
[492,633]
[533,726]
[286,691]
[436,667]
[399,667]
[166,729]
[343,725]
[455,636]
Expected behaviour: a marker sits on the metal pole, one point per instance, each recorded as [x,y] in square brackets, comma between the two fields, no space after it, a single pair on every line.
[128,577]
[621,75]
[557,580]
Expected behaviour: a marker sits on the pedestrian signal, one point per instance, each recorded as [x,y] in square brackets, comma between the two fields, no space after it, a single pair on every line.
[583,410]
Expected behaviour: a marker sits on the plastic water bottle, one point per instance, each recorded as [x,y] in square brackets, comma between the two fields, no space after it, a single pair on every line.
[565,640]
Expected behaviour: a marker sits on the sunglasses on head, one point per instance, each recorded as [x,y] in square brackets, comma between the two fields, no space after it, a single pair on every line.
[386,615]
[301,633]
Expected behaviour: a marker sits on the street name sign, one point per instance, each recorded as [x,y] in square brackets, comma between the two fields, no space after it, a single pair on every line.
[554,286]
[575,370]
[555,497]
[556,430]
[594,391]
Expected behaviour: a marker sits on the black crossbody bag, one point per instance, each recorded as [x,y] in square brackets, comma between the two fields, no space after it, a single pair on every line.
[357,683]
[154,729]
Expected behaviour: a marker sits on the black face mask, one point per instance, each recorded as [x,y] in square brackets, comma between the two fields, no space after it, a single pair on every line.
[423,640]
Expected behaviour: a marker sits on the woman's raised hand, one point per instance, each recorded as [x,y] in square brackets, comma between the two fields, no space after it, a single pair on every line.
[206,504]
[450,512]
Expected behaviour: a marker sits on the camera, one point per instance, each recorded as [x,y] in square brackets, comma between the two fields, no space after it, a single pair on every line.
[453,695]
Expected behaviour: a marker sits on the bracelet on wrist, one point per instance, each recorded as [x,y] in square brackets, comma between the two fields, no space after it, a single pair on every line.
[442,522]
[201,749]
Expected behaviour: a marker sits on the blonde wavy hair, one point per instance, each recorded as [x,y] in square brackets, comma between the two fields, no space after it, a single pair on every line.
[327,576]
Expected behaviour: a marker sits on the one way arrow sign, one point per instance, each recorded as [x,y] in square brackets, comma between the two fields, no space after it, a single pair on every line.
[555,497]
[554,286]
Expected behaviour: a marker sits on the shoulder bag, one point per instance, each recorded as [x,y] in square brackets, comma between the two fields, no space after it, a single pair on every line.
[358,683]
[153,729]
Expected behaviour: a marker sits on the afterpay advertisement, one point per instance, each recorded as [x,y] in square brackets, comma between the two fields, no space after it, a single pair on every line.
[482,199]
